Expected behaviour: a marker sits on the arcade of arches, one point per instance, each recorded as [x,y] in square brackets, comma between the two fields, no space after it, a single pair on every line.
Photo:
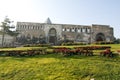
[55,33]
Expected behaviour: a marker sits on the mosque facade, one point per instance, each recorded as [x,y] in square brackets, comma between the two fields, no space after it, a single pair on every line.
[54,33]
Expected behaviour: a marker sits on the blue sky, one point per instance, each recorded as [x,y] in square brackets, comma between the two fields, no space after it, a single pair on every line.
[82,12]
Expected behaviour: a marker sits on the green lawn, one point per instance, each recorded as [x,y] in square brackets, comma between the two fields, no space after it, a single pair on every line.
[57,67]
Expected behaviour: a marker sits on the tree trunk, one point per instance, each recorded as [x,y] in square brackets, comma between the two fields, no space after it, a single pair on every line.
[3,37]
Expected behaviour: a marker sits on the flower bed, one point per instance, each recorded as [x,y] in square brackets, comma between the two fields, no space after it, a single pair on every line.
[118,52]
[106,52]
[95,47]
[74,51]
[86,50]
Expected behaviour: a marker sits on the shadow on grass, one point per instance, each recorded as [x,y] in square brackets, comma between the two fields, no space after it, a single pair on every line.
[57,56]
[61,57]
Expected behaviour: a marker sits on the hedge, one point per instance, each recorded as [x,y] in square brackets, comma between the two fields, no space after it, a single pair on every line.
[37,45]
[76,43]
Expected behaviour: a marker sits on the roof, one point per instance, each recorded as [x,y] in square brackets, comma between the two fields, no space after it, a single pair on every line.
[48,21]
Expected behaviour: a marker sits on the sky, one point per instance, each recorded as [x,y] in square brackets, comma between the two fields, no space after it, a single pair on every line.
[80,12]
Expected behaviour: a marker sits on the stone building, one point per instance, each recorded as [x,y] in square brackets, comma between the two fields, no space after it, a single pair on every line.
[53,33]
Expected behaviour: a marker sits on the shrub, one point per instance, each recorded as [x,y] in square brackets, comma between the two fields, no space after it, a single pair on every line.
[104,42]
[37,45]
[73,43]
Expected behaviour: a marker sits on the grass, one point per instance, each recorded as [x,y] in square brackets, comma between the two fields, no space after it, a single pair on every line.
[57,67]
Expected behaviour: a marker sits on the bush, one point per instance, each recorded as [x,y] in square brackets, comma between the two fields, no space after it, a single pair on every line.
[104,42]
[74,43]
[37,45]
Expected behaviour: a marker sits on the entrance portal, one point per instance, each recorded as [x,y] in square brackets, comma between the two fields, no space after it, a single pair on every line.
[100,37]
[52,36]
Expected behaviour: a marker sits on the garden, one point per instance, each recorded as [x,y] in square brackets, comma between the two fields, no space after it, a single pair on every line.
[45,62]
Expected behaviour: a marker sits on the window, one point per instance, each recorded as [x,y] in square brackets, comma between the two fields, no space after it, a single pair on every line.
[78,30]
[33,27]
[37,27]
[88,30]
[63,29]
[68,29]
[83,30]
[28,27]
[73,30]
[18,27]
[24,26]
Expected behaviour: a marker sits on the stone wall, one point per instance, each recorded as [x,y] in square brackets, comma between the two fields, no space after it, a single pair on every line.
[77,33]
[106,30]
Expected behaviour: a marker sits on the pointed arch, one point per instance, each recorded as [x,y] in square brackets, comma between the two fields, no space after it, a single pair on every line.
[79,37]
[100,37]
[52,35]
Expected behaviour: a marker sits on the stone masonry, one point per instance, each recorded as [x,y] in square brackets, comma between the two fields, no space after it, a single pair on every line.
[53,33]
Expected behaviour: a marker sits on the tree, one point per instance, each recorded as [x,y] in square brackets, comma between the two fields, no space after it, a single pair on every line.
[6,26]
[117,41]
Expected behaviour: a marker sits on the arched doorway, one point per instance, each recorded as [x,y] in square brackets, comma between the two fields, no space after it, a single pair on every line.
[100,37]
[79,38]
[41,37]
[52,36]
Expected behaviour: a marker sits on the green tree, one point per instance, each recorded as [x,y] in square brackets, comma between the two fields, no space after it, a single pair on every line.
[117,41]
[6,29]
